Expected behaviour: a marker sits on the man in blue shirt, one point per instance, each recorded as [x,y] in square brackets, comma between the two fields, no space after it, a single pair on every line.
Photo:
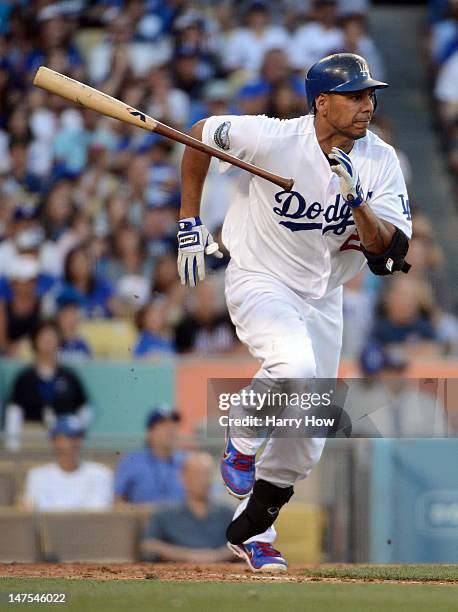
[193,530]
[153,474]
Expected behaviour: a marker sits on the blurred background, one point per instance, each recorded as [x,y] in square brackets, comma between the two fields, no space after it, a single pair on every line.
[104,357]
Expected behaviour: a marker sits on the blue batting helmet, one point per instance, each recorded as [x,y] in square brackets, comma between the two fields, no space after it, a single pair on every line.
[339,73]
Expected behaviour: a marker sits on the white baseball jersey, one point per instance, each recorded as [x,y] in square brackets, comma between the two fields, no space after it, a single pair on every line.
[306,237]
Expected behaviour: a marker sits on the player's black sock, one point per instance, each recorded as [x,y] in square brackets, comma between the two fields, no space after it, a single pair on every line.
[261,511]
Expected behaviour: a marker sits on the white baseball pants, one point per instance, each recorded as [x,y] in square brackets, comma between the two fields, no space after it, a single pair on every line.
[292,338]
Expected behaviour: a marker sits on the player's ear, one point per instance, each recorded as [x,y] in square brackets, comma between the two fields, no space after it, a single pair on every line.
[322,104]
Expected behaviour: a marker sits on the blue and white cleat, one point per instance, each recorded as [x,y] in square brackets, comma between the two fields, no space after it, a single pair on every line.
[260,556]
[238,471]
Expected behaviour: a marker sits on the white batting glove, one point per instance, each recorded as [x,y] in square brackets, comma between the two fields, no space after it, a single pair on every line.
[194,242]
[349,180]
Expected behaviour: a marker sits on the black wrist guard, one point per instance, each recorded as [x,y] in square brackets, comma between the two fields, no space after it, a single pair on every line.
[393,258]
[261,511]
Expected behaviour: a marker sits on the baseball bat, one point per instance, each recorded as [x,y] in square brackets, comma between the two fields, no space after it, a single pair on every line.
[96,100]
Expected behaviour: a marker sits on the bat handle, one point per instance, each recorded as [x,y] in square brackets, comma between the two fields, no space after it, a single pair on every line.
[288,184]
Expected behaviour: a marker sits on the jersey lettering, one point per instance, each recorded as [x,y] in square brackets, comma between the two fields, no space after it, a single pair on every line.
[405,206]
[293,206]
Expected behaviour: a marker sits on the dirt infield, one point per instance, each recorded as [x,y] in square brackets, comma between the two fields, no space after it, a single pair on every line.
[164,572]
[224,572]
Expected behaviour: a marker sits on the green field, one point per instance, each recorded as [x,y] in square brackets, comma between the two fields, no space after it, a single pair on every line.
[143,595]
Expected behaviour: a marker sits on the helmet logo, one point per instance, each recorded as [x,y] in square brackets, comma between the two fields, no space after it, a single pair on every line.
[364,69]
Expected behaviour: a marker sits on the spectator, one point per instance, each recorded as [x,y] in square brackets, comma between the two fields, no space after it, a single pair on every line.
[58,209]
[405,317]
[382,127]
[44,390]
[446,91]
[207,329]
[163,184]
[98,183]
[152,475]
[186,74]
[389,404]
[194,530]
[71,144]
[357,40]
[73,347]
[191,38]
[159,230]
[154,332]
[275,76]
[166,285]
[115,213]
[97,295]
[284,102]
[20,183]
[427,259]
[444,34]
[20,304]
[137,175]
[129,269]
[54,45]
[246,47]
[119,56]
[68,483]
[253,98]
[27,238]
[358,313]
[320,37]
[216,100]
[165,102]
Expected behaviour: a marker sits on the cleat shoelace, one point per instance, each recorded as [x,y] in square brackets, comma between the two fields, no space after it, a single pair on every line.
[268,550]
[241,462]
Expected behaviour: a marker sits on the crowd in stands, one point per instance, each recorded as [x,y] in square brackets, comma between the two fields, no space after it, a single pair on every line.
[89,204]
[442,58]
[185,524]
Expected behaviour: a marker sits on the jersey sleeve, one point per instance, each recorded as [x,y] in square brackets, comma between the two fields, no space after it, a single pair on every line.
[389,199]
[236,135]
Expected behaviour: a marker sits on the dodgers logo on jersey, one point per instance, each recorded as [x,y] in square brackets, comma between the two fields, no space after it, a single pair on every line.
[293,206]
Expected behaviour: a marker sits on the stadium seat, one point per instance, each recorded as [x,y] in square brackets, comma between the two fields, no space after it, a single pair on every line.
[300,532]
[89,536]
[109,338]
[18,541]
[8,488]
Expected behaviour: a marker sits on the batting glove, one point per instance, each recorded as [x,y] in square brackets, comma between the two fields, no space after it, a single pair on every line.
[194,242]
[349,179]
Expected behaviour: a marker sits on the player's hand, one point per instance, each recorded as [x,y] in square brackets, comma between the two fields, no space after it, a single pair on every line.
[194,242]
[350,185]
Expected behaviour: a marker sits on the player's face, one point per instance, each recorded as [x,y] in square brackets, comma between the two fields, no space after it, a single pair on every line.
[349,114]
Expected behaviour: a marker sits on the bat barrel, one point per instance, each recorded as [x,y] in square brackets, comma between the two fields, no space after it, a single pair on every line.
[96,100]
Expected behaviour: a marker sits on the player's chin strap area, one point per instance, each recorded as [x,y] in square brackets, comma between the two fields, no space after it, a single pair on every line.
[260,513]
[392,260]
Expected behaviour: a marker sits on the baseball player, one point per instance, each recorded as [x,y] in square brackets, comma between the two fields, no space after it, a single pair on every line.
[291,252]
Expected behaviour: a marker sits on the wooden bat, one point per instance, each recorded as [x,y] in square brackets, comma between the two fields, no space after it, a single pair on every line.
[96,100]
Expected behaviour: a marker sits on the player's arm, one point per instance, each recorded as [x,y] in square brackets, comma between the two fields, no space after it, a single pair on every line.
[194,169]
[239,136]
[383,242]
[374,233]
[194,240]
